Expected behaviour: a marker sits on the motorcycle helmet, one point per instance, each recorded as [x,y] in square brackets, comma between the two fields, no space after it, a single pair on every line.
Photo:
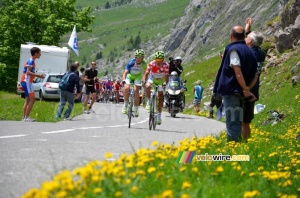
[174,73]
[178,58]
[159,55]
[139,52]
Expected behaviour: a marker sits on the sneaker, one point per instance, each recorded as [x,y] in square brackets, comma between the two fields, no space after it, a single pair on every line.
[158,121]
[136,112]
[91,110]
[148,106]
[124,109]
[86,111]
[67,119]
[29,120]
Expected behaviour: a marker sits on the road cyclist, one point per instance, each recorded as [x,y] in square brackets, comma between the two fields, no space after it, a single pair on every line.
[134,71]
[157,73]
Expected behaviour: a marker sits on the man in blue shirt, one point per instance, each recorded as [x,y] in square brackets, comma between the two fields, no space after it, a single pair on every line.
[237,71]
[198,91]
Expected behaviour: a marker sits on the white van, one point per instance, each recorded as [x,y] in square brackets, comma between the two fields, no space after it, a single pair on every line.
[53,60]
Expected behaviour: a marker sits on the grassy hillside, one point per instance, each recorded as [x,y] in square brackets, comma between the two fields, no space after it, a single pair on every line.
[114,27]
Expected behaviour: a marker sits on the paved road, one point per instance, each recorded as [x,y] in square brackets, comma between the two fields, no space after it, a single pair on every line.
[33,152]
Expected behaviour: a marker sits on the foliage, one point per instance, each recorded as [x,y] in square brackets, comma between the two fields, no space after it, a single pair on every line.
[40,22]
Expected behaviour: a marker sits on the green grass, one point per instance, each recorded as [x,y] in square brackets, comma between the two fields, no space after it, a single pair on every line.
[11,108]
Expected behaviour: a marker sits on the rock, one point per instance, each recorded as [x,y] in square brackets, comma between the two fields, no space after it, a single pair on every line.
[295,79]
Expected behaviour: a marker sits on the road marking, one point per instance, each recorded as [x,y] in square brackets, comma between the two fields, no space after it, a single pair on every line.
[60,131]
[13,136]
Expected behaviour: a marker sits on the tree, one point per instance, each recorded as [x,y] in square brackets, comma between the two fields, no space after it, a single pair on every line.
[99,55]
[37,21]
[107,5]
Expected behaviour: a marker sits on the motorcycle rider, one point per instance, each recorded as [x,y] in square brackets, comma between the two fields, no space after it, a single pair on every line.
[175,77]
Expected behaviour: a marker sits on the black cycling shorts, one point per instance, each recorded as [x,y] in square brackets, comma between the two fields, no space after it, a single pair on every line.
[89,89]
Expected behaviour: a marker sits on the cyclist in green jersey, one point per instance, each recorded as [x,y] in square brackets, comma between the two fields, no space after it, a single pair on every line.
[134,71]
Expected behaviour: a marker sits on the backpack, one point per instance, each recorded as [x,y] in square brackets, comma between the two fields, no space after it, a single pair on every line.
[64,82]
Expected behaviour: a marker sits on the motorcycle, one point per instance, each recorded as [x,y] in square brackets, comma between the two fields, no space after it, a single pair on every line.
[175,95]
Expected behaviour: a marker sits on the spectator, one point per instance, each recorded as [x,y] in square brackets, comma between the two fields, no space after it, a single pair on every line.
[253,40]
[89,78]
[237,71]
[26,82]
[198,91]
[68,94]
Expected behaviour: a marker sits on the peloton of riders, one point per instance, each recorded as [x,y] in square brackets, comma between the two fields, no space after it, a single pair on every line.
[141,74]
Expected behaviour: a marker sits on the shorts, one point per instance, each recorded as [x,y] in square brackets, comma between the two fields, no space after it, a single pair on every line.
[89,89]
[157,82]
[196,101]
[248,111]
[28,89]
[137,80]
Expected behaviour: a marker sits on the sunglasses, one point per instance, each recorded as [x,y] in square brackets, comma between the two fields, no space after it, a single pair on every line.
[159,60]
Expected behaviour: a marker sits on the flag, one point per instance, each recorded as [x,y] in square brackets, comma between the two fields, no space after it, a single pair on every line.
[73,42]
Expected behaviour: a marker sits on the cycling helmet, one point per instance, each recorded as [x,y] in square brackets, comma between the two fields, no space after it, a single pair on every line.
[174,73]
[139,52]
[159,55]
[178,58]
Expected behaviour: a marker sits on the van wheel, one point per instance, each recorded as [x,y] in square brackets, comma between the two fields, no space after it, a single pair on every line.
[41,96]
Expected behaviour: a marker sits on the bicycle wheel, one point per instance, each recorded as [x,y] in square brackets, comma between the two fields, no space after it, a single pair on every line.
[151,116]
[154,106]
[129,112]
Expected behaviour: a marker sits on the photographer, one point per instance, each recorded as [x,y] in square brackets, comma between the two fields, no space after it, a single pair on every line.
[175,65]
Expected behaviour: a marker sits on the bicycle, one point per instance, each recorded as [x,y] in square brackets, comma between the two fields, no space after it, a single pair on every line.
[274,118]
[130,103]
[153,108]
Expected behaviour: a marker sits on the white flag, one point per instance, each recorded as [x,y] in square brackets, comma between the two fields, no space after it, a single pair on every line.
[73,43]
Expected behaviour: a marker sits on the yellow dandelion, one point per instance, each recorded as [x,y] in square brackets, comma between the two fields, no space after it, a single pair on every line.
[287,183]
[134,189]
[195,170]
[185,196]
[260,168]
[154,143]
[219,169]
[252,174]
[186,185]
[253,193]
[272,154]
[182,169]
[108,155]
[61,194]
[127,181]
[97,190]
[151,169]
[168,194]
[286,168]
[159,175]
[118,194]
[161,164]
